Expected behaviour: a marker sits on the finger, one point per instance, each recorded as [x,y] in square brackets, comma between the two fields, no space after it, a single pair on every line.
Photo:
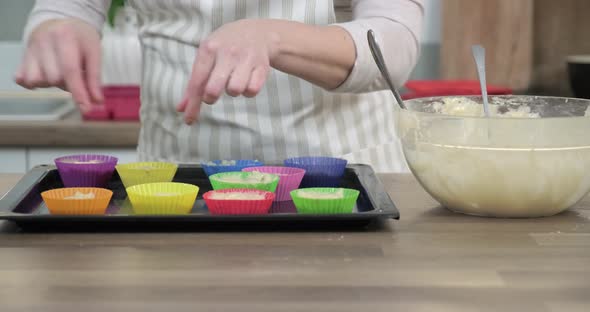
[193,110]
[19,76]
[181,107]
[257,80]
[204,62]
[92,65]
[239,79]
[202,67]
[33,76]
[71,66]
[50,63]
[219,77]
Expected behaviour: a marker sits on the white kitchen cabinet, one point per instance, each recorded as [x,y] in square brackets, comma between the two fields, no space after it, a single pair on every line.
[37,156]
[13,160]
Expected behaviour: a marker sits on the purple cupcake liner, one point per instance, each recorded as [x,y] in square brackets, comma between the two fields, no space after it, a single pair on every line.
[219,167]
[289,179]
[76,174]
[319,171]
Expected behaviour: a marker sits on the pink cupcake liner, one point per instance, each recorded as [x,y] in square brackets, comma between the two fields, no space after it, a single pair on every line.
[86,175]
[289,179]
[236,206]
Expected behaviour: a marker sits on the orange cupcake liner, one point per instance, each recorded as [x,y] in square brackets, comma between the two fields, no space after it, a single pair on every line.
[58,204]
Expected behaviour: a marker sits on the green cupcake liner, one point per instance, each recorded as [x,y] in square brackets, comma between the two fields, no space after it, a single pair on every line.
[218,183]
[325,206]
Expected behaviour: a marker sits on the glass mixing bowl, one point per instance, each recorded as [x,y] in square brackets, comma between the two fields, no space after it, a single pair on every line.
[500,166]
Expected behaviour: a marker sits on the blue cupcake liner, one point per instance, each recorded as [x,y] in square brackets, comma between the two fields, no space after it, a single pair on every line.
[219,167]
[319,171]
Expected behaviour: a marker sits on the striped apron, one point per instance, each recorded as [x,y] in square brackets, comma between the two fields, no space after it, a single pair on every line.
[290,117]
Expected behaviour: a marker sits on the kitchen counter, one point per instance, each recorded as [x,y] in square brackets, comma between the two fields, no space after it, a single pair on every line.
[71,131]
[430,260]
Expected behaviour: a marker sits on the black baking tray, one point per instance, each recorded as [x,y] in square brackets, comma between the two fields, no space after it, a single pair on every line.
[23,204]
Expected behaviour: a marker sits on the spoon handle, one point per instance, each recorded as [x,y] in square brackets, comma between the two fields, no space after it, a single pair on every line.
[479,55]
[376,51]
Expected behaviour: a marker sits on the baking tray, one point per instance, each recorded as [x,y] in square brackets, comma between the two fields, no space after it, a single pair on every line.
[23,204]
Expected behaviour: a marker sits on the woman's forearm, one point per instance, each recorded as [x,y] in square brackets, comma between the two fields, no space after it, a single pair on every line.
[337,57]
[322,55]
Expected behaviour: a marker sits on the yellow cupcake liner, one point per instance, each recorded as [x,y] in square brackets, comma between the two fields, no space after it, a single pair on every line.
[146,172]
[56,201]
[164,198]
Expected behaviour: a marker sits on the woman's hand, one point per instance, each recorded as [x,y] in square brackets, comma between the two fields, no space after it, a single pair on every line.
[64,53]
[236,59]
[238,56]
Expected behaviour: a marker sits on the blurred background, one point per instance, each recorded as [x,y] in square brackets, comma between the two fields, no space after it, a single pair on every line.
[528,43]
[13,15]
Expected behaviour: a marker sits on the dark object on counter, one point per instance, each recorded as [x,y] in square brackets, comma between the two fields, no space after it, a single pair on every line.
[121,102]
[430,88]
[579,75]
[24,205]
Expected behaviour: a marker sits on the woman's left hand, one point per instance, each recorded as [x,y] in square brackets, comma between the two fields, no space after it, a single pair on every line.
[236,59]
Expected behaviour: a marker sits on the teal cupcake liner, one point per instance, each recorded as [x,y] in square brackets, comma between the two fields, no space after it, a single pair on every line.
[218,183]
[342,205]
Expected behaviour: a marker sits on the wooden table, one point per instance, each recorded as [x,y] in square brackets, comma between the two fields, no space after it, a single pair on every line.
[71,131]
[430,260]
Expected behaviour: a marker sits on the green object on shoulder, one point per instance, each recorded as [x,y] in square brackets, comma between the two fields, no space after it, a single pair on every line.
[115,6]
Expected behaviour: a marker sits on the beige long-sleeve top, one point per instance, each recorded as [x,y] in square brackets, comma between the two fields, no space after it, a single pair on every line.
[360,128]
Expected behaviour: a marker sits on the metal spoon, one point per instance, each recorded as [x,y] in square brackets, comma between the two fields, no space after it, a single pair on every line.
[479,55]
[378,57]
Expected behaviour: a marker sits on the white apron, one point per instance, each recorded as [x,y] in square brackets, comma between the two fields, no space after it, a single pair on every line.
[290,117]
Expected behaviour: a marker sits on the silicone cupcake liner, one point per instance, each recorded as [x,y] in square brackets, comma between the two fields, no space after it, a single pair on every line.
[289,179]
[164,198]
[56,201]
[218,183]
[325,206]
[319,171]
[283,207]
[220,166]
[146,172]
[237,206]
[73,173]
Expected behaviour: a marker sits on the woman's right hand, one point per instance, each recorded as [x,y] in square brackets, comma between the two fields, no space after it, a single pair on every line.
[64,53]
